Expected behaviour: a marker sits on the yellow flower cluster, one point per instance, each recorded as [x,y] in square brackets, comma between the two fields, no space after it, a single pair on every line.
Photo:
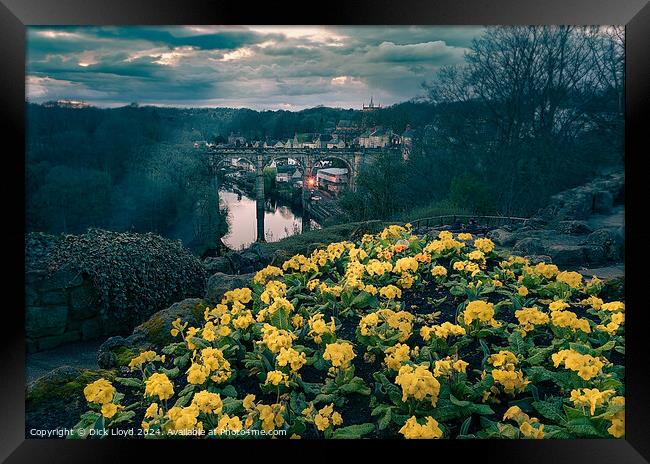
[145,357]
[543,269]
[276,378]
[413,430]
[467,266]
[207,402]
[614,323]
[439,271]
[405,265]
[528,426]
[530,317]
[390,292]
[613,306]
[227,423]
[274,289]
[393,231]
[446,243]
[300,263]
[184,419]
[373,324]
[572,279]
[484,244]
[617,429]
[585,365]
[340,354]
[326,417]
[292,358]
[482,311]
[505,373]
[318,327]
[590,397]
[275,339]
[100,391]
[442,331]
[159,385]
[569,320]
[418,383]
[241,295]
[376,267]
[397,355]
[272,416]
[269,271]
[446,367]
[216,364]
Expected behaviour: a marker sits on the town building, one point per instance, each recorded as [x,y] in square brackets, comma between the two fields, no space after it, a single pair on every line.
[378,137]
[334,180]
[371,107]
[235,138]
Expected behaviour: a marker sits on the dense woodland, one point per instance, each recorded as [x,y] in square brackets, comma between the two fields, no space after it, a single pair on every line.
[531,112]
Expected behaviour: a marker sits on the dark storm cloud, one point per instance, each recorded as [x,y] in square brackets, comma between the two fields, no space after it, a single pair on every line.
[256,66]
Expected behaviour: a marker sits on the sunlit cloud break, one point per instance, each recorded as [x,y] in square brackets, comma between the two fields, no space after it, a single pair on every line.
[259,67]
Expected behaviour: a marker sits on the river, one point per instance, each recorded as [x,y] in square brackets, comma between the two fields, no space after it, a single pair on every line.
[280,221]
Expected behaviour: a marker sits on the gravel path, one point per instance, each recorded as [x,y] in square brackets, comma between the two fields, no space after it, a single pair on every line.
[79,354]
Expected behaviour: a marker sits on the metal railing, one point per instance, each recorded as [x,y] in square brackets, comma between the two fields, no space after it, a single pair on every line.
[455,219]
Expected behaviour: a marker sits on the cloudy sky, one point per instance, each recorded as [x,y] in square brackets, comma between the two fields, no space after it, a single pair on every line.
[260,67]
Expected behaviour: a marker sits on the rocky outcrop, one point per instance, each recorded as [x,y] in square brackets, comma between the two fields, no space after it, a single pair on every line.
[56,400]
[252,259]
[581,227]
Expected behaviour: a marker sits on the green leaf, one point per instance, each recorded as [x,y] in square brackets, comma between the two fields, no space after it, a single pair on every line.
[199,342]
[356,385]
[551,409]
[354,431]
[130,382]
[171,373]
[465,426]
[229,390]
[123,416]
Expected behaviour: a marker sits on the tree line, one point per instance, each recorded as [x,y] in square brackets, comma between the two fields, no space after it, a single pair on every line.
[531,111]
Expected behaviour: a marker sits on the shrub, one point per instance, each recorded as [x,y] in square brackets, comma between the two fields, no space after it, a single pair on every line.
[135,274]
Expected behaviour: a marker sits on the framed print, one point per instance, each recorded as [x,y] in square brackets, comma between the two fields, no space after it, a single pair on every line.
[397,221]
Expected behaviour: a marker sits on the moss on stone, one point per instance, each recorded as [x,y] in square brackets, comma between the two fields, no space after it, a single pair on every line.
[46,390]
[123,355]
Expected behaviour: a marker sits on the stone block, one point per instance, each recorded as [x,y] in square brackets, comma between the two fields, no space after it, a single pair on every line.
[41,321]
[54,297]
[47,343]
[567,255]
[91,329]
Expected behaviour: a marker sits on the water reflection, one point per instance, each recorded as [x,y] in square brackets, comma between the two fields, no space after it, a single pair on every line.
[279,220]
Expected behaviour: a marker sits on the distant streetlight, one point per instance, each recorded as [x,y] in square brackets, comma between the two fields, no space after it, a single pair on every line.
[311,181]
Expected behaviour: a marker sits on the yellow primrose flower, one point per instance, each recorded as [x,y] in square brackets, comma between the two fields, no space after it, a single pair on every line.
[110,409]
[391,292]
[481,311]
[613,306]
[572,279]
[484,244]
[418,383]
[585,365]
[397,355]
[340,354]
[208,402]
[590,397]
[289,356]
[269,271]
[159,385]
[276,378]
[439,271]
[197,374]
[100,391]
[413,430]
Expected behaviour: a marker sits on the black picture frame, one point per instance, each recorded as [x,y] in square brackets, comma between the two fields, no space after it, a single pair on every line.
[15,15]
